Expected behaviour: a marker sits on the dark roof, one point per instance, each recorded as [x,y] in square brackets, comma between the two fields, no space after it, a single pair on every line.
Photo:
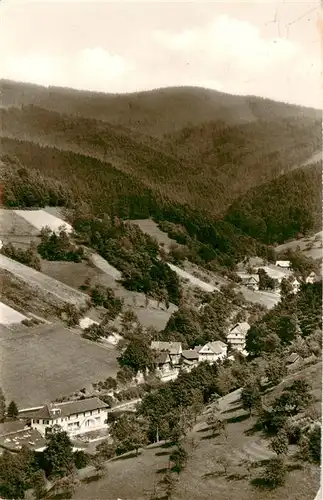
[190,354]
[10,427]
[69,408]
[171,347]
[26,437]
[162,357]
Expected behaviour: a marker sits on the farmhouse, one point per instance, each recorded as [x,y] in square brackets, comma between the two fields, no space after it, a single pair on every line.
[190,359]
[74,417]
[174,349]
[212,351]
[162,362]
[237,336]
[251,281]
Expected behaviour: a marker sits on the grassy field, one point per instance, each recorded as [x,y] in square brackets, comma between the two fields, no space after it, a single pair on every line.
[45,362]
[74,274]
[11,224]
[24,298]
[150,227]
[134,478]
[57,291]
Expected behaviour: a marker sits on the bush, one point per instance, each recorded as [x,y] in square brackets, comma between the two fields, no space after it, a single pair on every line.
[275,473]
[81,459]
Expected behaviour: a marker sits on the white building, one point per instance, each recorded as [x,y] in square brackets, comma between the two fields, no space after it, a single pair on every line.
[74,417]
[285,264]
[212,351]
[237,336]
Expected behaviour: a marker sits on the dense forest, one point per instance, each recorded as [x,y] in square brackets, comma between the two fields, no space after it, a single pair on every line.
[281,209]
[228,186]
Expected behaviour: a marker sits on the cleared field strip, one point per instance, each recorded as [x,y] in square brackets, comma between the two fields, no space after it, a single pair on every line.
[105,267]
[48,286]
[207,287]
[9,316]
[11,224]
[150,227]
[52,362]
[41,218]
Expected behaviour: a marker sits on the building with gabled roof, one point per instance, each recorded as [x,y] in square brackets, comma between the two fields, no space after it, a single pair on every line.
[190,359]
[74,417]
[212,351]
[237,336]
[174,349]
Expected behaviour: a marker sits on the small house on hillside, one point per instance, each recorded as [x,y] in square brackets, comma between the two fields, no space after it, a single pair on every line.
[212,351]
[251,281]
[174,349]
[162,362]
[74,417]
[285,264]
[312,278]
[237,336]
[190,359]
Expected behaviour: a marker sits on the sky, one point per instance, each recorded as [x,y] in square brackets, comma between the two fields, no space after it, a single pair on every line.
[267,48]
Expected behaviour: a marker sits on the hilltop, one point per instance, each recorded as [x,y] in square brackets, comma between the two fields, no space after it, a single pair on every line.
[155,112]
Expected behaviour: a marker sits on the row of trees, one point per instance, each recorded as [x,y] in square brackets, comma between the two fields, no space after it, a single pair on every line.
[28,257]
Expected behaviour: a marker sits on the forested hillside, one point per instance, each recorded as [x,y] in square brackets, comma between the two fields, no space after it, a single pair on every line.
[221,177]
[281,209]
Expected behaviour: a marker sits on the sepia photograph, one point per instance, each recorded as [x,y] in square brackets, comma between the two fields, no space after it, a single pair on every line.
[161,249]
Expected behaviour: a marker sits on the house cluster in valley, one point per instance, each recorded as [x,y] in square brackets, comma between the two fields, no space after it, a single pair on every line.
[170,358]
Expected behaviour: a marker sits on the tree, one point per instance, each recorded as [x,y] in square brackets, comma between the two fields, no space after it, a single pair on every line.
[179,458]
[12,480]
[314,444]
[129,433]
[215,421]
[94,332]
[106,450]
[294,398]
[81,459]
[279,444]
[65,486]
[250,396]
[70,314]
[286,289]
[12,410]
[168,482]
[39,484]
[275,370]
[225,462]
[137,356]
[265,281]
[98,463]
[58,454]
[197,403]
[2,406]
[275,473]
